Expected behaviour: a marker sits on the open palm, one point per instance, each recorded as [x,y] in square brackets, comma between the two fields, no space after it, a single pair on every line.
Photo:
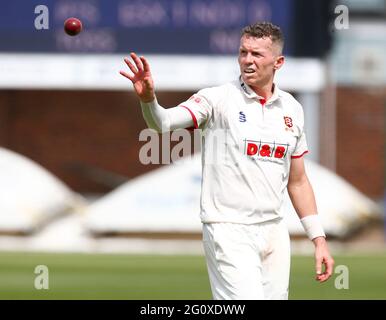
[141,78]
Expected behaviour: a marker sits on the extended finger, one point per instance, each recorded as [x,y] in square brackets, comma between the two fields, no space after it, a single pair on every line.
[126,75]
[137,61]
[146,65]
[131,66]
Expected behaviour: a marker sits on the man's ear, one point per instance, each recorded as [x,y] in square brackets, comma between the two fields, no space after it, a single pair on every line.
[278,62]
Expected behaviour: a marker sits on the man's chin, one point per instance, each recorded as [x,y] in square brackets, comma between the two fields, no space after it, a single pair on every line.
[250,80]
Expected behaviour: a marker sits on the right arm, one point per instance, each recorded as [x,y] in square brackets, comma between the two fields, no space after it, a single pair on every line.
[156,117]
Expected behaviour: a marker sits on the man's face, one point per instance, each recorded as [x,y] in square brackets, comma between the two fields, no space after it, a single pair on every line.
[258,60]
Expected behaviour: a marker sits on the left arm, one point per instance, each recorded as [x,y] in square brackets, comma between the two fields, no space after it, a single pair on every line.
[303,200]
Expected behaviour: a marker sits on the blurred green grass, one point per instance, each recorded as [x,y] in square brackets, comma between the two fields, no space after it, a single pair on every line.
[145,277]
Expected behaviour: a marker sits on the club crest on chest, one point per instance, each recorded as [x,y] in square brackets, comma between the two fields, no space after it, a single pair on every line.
[288,123]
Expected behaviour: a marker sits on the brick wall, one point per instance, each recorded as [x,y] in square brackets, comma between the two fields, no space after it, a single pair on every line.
[361,138]
[88,139]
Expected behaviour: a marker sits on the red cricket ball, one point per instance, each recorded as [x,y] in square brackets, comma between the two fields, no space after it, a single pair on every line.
[72,26]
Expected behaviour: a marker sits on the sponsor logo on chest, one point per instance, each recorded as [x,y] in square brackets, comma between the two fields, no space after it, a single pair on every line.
[265,150]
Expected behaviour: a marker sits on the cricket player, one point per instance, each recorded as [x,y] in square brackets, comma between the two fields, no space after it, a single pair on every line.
[245,239]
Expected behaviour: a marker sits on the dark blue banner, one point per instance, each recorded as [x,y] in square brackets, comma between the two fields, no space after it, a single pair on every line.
[146,26]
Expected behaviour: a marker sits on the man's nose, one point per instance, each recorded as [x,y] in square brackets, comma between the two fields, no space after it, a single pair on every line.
[248,58]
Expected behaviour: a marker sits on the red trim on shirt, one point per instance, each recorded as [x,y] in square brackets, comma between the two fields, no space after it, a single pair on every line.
[193,117]
[299,156]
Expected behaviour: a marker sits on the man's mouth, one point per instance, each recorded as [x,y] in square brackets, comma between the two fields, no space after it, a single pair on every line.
[249,71]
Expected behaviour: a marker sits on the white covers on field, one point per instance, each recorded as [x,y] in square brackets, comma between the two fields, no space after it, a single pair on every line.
[164,200]
[167,200]
[29,195]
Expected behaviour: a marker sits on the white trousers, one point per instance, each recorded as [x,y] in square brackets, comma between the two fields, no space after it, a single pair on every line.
[248,262]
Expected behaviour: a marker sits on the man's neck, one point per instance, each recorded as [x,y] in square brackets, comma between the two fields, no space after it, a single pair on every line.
[265,91]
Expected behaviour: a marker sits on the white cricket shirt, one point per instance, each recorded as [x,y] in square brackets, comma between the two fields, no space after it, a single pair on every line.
[247,146]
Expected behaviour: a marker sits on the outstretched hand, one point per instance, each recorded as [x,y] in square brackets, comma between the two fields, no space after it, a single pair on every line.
[141,78]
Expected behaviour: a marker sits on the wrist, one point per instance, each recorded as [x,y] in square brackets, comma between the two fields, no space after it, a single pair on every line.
[313,227]
[319,240]
[147,99]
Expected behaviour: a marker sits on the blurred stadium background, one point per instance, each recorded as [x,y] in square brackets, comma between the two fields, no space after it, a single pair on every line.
[74,195]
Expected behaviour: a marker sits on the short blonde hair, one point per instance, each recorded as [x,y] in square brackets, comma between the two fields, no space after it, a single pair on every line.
[263,30]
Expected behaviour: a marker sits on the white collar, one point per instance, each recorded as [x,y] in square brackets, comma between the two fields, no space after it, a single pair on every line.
[253,95]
